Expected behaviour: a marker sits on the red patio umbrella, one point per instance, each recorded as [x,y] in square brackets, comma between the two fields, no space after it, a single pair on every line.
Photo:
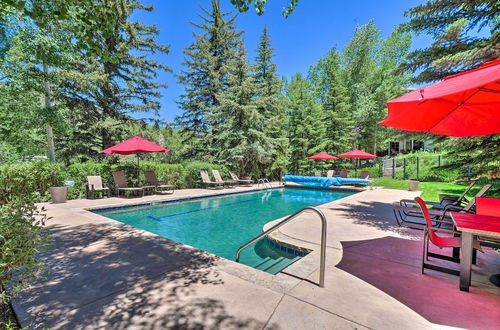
[356,153]
[322,155]
[465,104]
[135,145]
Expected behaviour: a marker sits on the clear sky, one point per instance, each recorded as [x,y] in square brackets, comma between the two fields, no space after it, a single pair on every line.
[299,40]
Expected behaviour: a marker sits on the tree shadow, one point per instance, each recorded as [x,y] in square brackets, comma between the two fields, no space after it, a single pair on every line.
[376,215]
[103,276]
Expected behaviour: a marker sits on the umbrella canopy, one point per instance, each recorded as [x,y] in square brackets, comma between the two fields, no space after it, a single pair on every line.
[133,146]
[322,155]
[357,154]
[465,104]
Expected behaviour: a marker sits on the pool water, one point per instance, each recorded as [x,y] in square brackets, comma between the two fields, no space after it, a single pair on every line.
[220,225]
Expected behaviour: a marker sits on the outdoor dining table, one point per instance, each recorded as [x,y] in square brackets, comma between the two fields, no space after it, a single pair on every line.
[473,225]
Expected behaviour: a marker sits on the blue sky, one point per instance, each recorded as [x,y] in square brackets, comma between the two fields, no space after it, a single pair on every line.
[299,40]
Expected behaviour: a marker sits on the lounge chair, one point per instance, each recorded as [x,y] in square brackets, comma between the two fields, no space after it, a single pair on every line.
[94,185]
[364,175]
[456,199]
[330,173]
[244,182]
[430,234]
[218,178]
[152,180]
[406,213]
[209,184]
[121,184]
[343,173]
[317,173]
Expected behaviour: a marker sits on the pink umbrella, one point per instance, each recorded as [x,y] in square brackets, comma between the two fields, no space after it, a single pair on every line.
[135,145]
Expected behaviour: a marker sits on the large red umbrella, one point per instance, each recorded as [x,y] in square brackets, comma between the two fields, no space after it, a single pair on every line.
[322,155]
[465,104]
[356,153]
[135,145]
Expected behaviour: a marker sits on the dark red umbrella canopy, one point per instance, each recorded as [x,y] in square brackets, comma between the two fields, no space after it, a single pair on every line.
[465,104]
[322,155]
[357,154]
[133,146]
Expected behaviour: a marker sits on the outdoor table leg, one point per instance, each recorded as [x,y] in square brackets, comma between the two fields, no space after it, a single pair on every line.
[465,261]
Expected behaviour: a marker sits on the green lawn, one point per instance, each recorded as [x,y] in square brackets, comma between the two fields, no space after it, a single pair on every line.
[430,190]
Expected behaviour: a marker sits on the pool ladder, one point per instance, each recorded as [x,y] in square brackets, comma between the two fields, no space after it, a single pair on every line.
[287,220]
[265,184]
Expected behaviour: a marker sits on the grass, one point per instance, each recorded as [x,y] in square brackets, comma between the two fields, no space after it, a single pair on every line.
[430,190]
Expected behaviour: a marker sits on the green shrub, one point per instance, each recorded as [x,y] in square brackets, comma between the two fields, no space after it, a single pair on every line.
[78,172]
[21,237]
[21,179]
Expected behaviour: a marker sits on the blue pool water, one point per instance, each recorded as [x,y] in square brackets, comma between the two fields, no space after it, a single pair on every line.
[220,225]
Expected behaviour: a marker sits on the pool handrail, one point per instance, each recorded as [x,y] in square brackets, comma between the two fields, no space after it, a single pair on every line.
[285,221]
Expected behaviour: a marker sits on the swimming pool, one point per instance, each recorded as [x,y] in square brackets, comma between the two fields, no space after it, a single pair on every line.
[220,225]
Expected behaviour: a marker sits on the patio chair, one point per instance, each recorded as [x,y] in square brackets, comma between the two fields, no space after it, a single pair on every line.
[209,184]
[330,173]
[244,182]
[430,234]
[218,178]
[94,185]
[364,175]
[121,184]
[343,173]
[490,207]
[406,213]
[152,180]
[317,173]
[456,199]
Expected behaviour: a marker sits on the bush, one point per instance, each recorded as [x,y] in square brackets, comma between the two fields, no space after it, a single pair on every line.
[78,172]
[21,237]
[21,179]
[174,174]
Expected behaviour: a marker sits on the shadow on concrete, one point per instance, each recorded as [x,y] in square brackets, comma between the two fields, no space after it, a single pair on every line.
[377,215]
[109,277]
[392,265]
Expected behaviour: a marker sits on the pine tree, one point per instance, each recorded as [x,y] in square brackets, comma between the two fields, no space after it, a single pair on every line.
[269,104]
[330,91]
[206,75]
[306,128]
[457,44]
[241,142]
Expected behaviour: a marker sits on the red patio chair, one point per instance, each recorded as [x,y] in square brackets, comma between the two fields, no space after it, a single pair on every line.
[439,241]
[488,206]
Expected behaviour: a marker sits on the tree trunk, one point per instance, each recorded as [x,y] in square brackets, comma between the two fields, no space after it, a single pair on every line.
[48,104]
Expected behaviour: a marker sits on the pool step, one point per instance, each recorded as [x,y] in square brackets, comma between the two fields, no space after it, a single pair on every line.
[275,265]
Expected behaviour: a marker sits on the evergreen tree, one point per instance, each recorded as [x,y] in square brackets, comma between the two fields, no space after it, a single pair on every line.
[333,95]
[241,142]
[457,44]
[307,125]
[206,76]
[270,105]
[114,86]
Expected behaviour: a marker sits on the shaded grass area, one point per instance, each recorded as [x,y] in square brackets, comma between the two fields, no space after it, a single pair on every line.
[430,190]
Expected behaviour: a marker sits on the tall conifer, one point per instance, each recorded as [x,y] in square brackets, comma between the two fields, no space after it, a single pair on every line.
[206,75]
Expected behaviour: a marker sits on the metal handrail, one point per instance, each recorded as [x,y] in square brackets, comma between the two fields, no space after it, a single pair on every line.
[285,221]
[265,183]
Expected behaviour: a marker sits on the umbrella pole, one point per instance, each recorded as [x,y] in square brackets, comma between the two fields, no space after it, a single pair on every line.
[138,170]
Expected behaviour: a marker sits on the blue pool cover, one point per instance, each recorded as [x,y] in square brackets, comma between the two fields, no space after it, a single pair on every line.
[321,181]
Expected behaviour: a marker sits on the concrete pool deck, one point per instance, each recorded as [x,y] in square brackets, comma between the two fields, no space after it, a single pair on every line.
[108,275]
